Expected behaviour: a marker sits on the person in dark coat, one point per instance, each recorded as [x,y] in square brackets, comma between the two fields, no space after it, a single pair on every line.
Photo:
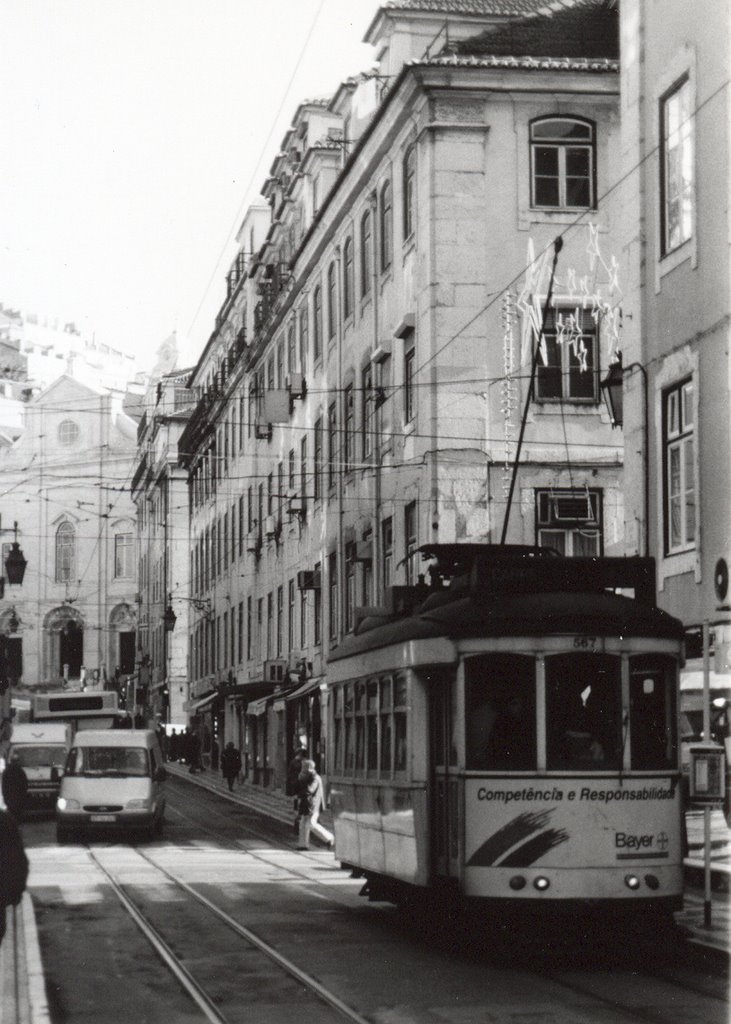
[13,866]
[230,764]
[194,753]
[15,787]
[293,777]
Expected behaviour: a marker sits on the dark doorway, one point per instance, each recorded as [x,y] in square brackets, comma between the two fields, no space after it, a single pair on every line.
[126,653]
[71,649]
[14,655]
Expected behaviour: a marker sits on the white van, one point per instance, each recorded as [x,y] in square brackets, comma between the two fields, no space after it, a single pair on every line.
[113,780]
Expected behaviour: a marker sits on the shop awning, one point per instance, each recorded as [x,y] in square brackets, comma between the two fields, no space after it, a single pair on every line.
[257,707]
[194,706]
[305,688]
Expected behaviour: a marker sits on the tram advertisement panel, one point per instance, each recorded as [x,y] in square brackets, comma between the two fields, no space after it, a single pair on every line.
[524,823]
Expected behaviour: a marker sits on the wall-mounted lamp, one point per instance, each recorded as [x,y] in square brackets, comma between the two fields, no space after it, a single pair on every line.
[202,605]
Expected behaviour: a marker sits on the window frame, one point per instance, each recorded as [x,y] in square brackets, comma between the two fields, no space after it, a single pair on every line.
[385,208]
[569,369]
[348,278]
[686,146]
[681,396]
[366,253]
[409,191]
[562,145]
[65,552]
[547,521]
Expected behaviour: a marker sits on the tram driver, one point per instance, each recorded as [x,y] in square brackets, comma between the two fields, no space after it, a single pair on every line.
[510,745]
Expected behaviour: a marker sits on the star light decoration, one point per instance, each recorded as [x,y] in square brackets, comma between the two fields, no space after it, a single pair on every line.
[598,291]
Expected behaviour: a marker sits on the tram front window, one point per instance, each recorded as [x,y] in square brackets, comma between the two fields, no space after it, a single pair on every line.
[583,712]
[653,740]
[500,713]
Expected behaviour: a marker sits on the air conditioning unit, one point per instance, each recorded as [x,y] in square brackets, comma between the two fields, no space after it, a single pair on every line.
[275,670]
[296,504]
[573,507]
[262,429]
[253,542]
[271,526]
[297,385]
[309,579]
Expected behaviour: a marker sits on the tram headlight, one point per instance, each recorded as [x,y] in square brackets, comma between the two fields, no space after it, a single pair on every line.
[66,804]
[652,882]
[541,883]
[517,882]
[632,881]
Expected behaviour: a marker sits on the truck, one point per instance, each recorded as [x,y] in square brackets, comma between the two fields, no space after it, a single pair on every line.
[41,748]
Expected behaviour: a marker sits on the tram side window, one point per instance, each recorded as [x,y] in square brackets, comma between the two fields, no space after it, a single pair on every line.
[399,723]
[583,712]
[386,726]
[337,698]
[360,724]
[500,712]
[653,740]
[349,720]
[372,726]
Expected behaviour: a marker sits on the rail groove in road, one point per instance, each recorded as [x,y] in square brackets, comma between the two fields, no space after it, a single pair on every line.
[175,965]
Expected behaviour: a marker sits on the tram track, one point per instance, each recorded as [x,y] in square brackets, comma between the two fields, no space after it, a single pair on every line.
[645,947]
[208,1002]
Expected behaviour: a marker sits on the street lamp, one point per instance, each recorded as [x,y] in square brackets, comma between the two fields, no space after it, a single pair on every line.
[613,390]
[15,563]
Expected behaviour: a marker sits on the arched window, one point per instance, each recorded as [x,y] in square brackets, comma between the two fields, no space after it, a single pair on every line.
[332,301]
[562,163]
[409,169]
[348,278]
[65,553]
[317,323]
[386,226]
[68,433]
[366,254]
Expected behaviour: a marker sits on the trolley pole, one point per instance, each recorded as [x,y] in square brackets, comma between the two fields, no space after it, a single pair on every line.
[707,808]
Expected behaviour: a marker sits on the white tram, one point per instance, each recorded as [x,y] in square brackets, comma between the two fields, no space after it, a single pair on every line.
[512,735]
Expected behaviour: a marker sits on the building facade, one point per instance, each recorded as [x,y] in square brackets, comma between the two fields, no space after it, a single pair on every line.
[73,620]
[676,143]
[362,391]
[160,494]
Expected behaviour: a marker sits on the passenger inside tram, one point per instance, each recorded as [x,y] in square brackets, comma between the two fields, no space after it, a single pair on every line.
[583,712]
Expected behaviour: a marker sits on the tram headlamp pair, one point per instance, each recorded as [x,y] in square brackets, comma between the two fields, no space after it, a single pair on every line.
[518,882]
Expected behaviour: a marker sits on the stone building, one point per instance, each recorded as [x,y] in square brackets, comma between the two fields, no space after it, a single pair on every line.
[160,494]
[676,149]
[66,485]
[362,389]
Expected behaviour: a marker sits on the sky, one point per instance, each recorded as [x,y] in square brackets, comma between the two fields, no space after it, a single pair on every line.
[135,135]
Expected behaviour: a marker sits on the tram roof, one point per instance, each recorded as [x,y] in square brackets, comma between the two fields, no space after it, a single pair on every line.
[477,614]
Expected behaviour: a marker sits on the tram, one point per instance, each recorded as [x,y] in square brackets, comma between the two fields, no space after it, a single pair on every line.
[507,734]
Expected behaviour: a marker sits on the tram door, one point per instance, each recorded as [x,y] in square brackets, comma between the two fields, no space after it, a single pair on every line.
[444,783]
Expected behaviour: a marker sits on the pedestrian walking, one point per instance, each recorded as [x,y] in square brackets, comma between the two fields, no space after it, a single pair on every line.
[230,764]
[15,787]
[311,802]
[292,786]
[13,866]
